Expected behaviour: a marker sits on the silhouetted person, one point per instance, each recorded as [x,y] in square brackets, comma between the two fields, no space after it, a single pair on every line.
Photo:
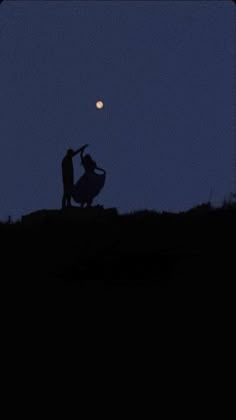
[90,183]
[68,176]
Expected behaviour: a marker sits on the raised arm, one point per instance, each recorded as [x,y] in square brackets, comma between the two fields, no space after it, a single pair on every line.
[80,150]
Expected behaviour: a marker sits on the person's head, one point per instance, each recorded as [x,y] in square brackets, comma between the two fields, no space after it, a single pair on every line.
[88,162]
[70,152]
[88,159]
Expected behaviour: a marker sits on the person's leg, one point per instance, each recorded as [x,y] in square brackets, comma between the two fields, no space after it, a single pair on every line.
[89,203]
[63,204]
[69,200]
[66,200]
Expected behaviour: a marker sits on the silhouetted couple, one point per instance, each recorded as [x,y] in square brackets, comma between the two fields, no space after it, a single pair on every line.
[89,184]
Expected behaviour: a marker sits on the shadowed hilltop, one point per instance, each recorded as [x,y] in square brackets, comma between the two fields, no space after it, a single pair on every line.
[97,247]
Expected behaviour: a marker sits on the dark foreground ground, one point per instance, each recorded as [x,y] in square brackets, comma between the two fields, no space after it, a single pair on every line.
[141,294]
[98,249]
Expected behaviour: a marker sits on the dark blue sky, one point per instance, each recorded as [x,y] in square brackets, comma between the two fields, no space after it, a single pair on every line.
[165,71]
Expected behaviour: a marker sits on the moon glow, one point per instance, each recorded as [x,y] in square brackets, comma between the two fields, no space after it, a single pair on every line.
[99,105]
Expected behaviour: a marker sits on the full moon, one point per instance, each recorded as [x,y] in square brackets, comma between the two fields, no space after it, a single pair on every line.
[99,105]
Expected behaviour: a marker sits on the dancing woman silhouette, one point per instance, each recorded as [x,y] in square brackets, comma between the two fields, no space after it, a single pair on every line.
[90,183]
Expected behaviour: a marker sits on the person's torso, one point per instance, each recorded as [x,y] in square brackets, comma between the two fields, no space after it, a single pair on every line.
[67,170]
[89,166]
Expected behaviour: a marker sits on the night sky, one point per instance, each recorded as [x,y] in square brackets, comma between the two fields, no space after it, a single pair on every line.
[165,71]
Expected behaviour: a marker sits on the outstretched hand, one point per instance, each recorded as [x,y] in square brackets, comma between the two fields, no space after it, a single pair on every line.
[83,147]
[80,150]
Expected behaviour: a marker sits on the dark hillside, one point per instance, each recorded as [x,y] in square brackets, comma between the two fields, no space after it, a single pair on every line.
[98,248]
